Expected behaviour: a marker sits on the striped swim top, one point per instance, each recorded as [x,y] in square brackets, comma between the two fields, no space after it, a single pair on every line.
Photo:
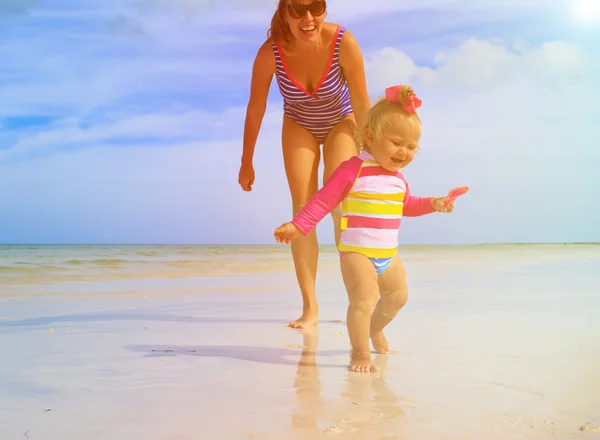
[329,102]
[372,211]
[373,199]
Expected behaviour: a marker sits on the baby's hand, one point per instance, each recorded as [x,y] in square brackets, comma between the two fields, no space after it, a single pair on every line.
[439,204]
[287,232]
[446,204]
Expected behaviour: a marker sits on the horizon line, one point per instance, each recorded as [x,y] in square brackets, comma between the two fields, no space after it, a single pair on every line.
[277,244]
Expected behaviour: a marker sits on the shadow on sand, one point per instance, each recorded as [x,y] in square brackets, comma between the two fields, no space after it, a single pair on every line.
[262,355]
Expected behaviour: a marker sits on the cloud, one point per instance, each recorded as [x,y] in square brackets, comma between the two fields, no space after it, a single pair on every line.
[79,76]
[128,127]
[93,86]
[171,192]
[124,50]
[124,25]
[516,124]
[494,86]
[496,89]
[477,64]
[218,18]
[16,7]
[341,8]
[526,151]
[354,9]
[133,130]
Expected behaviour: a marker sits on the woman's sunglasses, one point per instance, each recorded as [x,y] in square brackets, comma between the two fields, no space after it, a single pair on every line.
[316,9]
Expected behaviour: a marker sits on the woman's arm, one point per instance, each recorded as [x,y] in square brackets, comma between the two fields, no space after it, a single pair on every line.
[352,64]
[262,75]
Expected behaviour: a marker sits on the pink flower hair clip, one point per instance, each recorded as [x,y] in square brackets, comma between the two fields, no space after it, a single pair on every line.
[411,104]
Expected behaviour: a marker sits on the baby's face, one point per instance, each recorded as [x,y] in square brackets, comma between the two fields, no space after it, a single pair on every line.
[397,146]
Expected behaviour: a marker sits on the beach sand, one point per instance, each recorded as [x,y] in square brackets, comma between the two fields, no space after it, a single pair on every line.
[496,342]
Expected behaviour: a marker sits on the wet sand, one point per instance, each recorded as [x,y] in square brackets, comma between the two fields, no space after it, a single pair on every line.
[492,345]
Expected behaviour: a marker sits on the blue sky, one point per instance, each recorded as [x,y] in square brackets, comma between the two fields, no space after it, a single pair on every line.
[121,121]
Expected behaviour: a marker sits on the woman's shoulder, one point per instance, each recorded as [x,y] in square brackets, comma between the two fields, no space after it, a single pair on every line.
[348,42]
[266,49]
[266,46]
[331,29]
[265,56]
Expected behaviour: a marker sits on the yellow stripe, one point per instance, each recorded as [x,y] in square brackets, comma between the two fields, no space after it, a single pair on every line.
[368,252]
[344,223]
[397,197]
[359,207]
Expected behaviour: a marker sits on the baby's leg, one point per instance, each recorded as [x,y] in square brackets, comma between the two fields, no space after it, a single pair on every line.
[360,279]
[394,294]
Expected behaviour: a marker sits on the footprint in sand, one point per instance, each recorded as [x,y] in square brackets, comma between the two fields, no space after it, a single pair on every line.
[590,428]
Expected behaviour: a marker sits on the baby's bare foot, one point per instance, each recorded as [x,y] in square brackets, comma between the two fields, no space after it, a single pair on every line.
[362,364]
[307,320]
[380,343]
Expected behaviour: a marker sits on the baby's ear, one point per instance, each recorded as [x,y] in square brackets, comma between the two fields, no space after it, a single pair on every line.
[369,136]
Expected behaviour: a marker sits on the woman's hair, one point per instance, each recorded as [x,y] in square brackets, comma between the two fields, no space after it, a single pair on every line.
[385,113]
[280,32]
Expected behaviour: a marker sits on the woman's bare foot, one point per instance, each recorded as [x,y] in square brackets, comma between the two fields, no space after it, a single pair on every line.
[380,343]
[307,320]
[362,364]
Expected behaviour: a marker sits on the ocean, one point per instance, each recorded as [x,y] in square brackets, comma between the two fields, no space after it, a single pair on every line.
[31,269]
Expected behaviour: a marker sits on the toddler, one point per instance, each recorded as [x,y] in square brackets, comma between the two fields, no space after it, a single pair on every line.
[374,196]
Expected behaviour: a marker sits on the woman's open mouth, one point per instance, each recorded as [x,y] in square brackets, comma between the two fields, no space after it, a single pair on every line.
[308,30]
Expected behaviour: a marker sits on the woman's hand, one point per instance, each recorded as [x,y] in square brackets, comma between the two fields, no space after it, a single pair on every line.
[246,176]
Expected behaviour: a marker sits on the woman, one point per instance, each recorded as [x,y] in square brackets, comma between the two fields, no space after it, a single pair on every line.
[320,72]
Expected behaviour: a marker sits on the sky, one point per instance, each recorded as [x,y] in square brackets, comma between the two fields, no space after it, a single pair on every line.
[121,121]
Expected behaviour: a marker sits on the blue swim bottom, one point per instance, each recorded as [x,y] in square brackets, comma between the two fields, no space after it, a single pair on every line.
[380,264]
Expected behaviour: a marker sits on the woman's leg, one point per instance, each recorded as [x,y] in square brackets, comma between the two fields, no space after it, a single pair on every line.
[301,156]
[338,147]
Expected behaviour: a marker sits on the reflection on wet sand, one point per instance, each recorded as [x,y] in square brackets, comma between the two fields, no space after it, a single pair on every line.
[366,409]
[307,384]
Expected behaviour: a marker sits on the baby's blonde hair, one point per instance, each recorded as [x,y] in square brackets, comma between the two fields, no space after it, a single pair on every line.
[385,113]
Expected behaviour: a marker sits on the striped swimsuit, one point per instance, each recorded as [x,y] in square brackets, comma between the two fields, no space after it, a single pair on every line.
[329,103]
[374,201]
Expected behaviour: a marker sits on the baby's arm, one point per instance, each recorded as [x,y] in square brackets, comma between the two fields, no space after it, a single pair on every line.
[416,206]
[333,192]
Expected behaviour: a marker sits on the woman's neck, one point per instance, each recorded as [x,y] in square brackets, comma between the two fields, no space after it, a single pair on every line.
[304,48]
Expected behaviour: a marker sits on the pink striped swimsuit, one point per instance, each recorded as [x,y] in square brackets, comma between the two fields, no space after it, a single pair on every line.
[329,103]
